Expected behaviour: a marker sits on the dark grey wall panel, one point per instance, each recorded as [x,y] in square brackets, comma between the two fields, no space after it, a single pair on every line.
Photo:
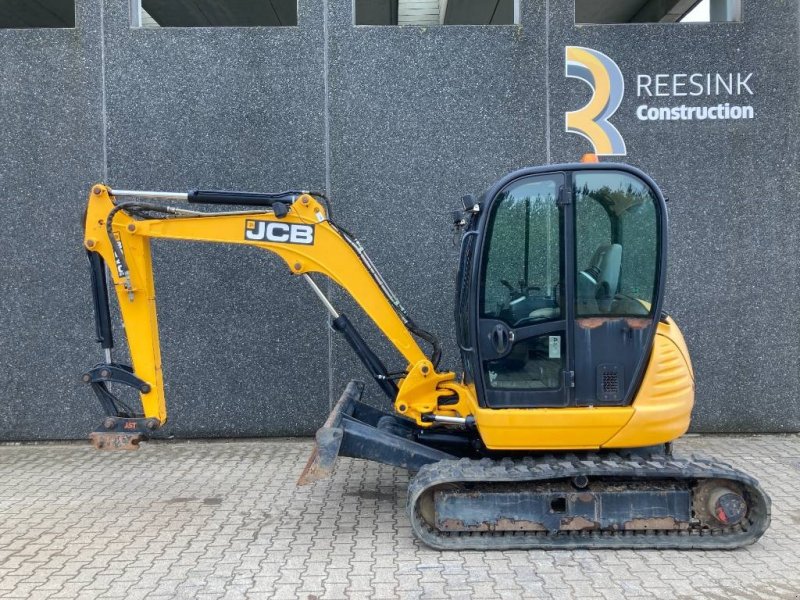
[244,343]
[50,146]
[733,272]
[419,117]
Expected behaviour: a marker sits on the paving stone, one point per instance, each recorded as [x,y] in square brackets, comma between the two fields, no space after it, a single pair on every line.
[225,520]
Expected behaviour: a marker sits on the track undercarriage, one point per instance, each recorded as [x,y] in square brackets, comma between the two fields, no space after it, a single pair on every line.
[600,500]
[641,498]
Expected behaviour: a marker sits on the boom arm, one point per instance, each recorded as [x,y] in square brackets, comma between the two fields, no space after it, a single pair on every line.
[301,234]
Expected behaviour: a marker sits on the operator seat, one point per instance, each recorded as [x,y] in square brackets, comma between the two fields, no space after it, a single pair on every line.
[599,283]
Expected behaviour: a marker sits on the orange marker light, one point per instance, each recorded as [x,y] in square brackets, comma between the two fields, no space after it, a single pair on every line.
[590,157]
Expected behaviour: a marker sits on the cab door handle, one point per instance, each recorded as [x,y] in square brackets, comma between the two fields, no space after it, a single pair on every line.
[502,338]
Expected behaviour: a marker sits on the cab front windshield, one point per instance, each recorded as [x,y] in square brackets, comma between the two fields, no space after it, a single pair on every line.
[523,261]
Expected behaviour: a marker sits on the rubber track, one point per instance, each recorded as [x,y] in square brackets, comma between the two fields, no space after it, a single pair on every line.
[599,466]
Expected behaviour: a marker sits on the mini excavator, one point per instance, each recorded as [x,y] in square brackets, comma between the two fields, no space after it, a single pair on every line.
[558,431]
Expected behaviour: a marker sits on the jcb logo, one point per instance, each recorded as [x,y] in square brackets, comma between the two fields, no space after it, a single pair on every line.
[288,233]
[117,261]
[592,121]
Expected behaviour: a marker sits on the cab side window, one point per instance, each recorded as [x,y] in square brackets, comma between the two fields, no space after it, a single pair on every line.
[617,254]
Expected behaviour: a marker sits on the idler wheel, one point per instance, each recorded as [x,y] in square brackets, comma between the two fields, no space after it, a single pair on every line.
[726,506]
[719,503]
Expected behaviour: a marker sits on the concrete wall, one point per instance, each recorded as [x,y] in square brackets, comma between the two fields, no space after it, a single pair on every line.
[414,118]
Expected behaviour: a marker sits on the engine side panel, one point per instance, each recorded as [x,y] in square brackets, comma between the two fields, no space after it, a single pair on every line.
[660,413]
[663,405]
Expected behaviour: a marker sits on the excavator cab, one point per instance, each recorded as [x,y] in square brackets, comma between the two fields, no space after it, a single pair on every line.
[560,287]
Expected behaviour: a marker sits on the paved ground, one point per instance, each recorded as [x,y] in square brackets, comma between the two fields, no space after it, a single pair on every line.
[224,519]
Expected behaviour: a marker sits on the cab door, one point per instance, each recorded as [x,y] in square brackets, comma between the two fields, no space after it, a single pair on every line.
[524,333]
[619,272]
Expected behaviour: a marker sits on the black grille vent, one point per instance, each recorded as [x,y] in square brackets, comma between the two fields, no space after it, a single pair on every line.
[609,384]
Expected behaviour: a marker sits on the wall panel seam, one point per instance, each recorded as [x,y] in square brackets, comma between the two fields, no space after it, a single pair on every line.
[327,142]
[104,120]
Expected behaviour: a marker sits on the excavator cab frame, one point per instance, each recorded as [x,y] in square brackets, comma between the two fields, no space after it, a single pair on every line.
[521,352]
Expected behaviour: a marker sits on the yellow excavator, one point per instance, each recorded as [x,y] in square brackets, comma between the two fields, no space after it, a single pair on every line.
[558,431]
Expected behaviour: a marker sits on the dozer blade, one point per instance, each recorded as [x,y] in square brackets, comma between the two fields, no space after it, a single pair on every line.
[329,438]
[358,430]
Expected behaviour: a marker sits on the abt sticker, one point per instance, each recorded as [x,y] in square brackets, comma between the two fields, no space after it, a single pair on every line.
[282,233]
